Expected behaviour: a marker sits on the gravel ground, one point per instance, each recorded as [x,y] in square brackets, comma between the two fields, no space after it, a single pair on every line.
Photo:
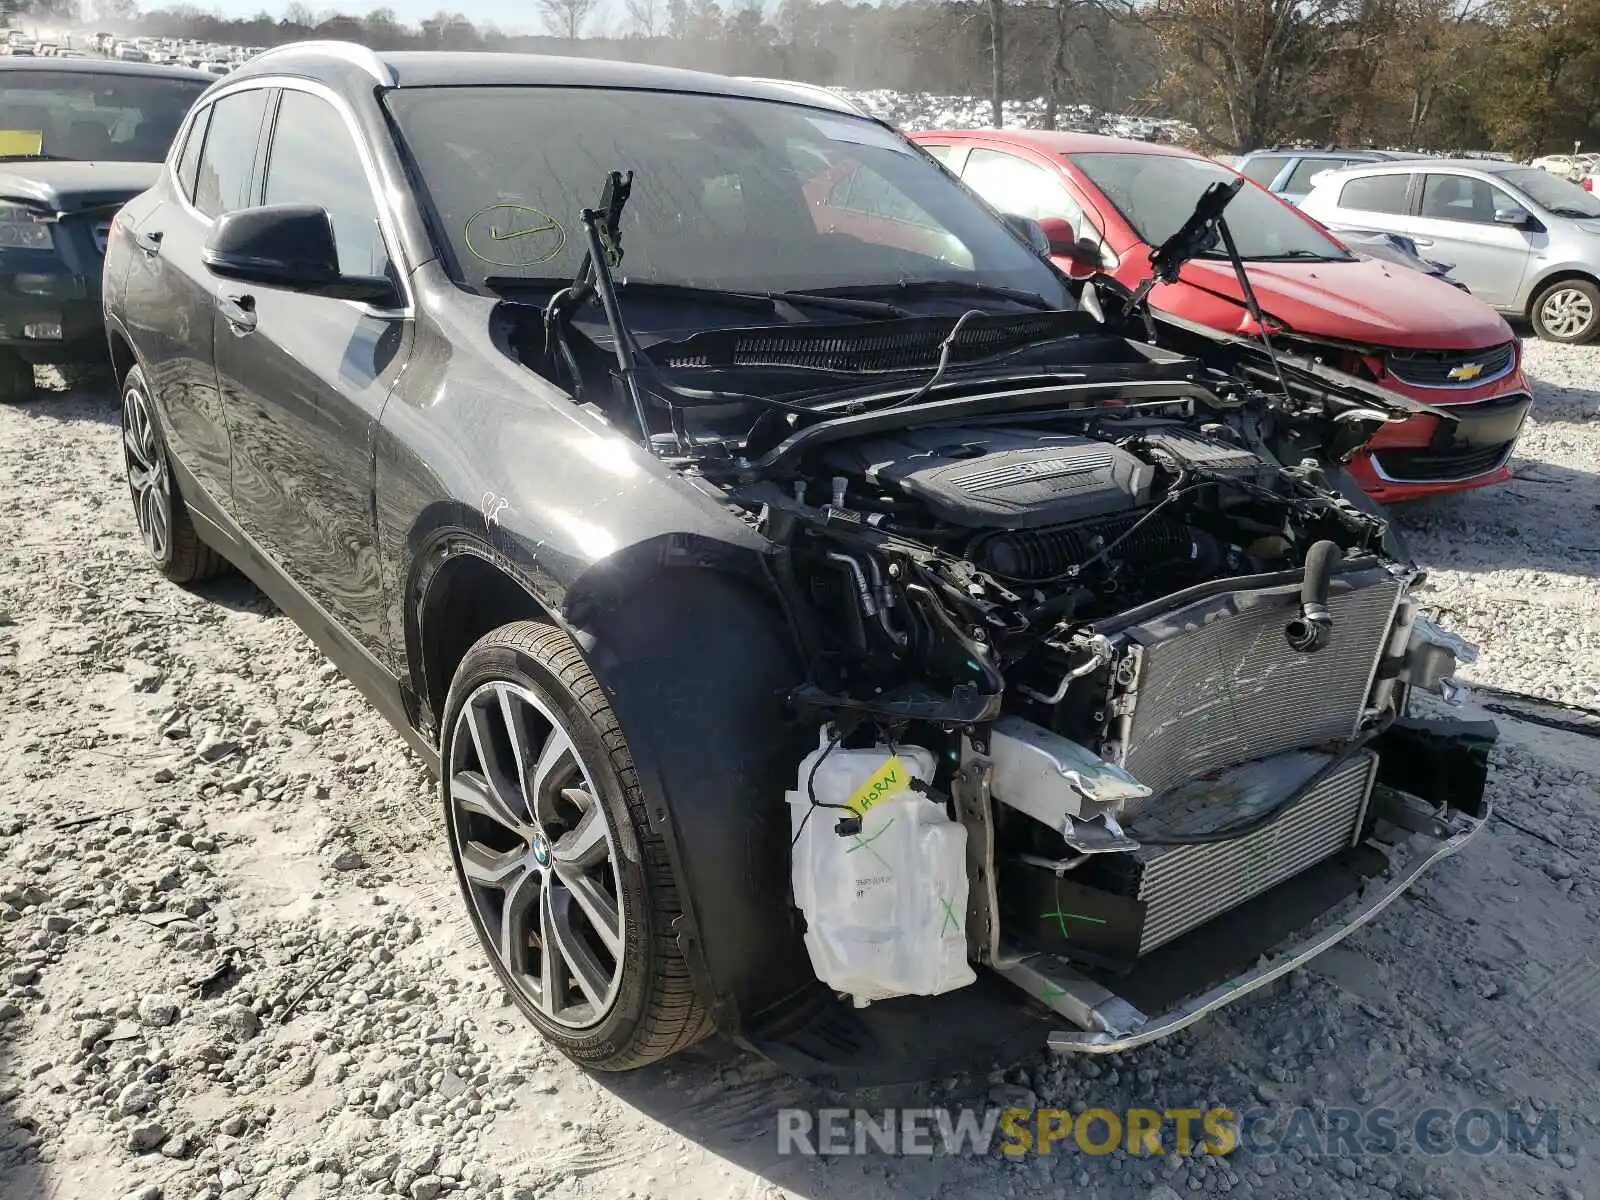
[234,965]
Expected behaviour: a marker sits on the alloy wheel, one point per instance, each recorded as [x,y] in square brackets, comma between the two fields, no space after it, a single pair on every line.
[1567,312]
[537,854]
[148,479]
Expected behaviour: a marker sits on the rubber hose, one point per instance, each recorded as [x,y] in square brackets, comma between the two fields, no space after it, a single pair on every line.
[1312,628]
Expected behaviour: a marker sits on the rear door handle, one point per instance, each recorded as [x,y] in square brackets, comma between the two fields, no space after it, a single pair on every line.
[1421,241]
[150,242]
[240,311]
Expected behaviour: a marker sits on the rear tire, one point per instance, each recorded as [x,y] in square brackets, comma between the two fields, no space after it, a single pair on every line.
[1567,311]
[16,378]
[158,508]
[570,893]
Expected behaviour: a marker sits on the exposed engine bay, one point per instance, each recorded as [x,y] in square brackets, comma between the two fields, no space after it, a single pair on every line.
[1088,601]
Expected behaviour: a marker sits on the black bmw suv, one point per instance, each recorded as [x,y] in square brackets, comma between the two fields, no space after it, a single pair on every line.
[752,526]
[78,138]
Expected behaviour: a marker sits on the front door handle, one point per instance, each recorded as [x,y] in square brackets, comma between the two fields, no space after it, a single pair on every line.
[150,242]
[1422,241]
[240,311]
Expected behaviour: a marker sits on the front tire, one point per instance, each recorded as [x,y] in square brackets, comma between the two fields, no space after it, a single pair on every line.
[16,378]
[570,893]
[158,508]
[1567,311]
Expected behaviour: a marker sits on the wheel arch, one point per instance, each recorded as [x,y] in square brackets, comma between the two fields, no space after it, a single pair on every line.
[462,590]
[1558,275]
[123,357]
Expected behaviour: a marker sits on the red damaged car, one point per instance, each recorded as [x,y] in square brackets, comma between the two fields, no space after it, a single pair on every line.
[1104,202]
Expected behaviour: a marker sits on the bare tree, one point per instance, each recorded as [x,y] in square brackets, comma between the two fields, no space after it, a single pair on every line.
[644,17]
[997,63]
[1245,70]
[565,18]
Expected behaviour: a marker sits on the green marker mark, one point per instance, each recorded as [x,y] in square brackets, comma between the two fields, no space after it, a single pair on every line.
[1050,991]
[1061,917]
[949,916]
[866,844]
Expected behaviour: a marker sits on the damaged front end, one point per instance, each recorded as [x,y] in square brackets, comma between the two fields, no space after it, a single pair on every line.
[1165,683]
[1162,661]
[1109,665]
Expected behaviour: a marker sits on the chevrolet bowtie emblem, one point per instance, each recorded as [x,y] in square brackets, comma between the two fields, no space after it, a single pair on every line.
[1466,371]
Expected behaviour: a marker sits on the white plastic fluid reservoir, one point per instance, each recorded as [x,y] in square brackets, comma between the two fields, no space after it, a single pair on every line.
[885,908]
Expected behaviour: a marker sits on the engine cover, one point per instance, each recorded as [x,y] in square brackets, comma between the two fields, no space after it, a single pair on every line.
[1002,478]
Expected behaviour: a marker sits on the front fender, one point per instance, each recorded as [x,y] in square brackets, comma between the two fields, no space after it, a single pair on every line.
[698,664]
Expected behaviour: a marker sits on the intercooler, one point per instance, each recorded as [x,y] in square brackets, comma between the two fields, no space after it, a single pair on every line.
[1185,886]
[1124,905]
[1214,682]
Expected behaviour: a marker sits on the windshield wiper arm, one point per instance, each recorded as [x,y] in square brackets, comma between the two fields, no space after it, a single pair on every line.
[41,157]
[934,287]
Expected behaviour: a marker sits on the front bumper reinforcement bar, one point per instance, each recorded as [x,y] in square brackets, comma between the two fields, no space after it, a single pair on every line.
[1109,1024]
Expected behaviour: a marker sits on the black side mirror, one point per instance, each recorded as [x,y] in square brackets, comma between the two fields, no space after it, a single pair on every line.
[288,246]
[1031,232]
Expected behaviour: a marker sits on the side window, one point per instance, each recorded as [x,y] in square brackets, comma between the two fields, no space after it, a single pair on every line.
[222,182]
[1460,198]
[1299,180]
[189,161]
[1263,169]
[943,153]
[1013,185]
[314,161]
[1376,193]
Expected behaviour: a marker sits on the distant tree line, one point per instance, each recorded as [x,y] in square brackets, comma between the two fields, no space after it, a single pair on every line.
[1514,75]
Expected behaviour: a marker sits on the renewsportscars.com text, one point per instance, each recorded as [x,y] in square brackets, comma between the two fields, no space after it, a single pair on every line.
[1149,1131]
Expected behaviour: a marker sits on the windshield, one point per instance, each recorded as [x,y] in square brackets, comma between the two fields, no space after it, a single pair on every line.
[1155,193]
[728,193]
[91,116]
[1552,192]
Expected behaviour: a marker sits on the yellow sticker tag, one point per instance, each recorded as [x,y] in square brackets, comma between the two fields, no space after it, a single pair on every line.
[21,141]
[888,779]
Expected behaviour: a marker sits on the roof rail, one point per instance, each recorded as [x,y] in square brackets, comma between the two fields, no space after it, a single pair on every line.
[361,56]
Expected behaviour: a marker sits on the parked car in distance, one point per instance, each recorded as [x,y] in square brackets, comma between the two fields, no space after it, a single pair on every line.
[649,563]
[1105,202]
[1290,173]
[1568,166]
[82,137]
[1525,241]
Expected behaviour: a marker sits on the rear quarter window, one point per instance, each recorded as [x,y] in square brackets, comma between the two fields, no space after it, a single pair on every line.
[189,161]
[1375,193]
[1306,169]
[1263,170]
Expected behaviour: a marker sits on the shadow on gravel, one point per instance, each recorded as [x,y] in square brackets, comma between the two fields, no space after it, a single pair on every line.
[728,1103]
[19,1176]
[235,592]
[1554,404]
[73,394]
[1547,518]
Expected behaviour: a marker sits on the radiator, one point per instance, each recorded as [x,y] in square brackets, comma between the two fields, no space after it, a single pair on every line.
[1185,886]
[1214,683]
